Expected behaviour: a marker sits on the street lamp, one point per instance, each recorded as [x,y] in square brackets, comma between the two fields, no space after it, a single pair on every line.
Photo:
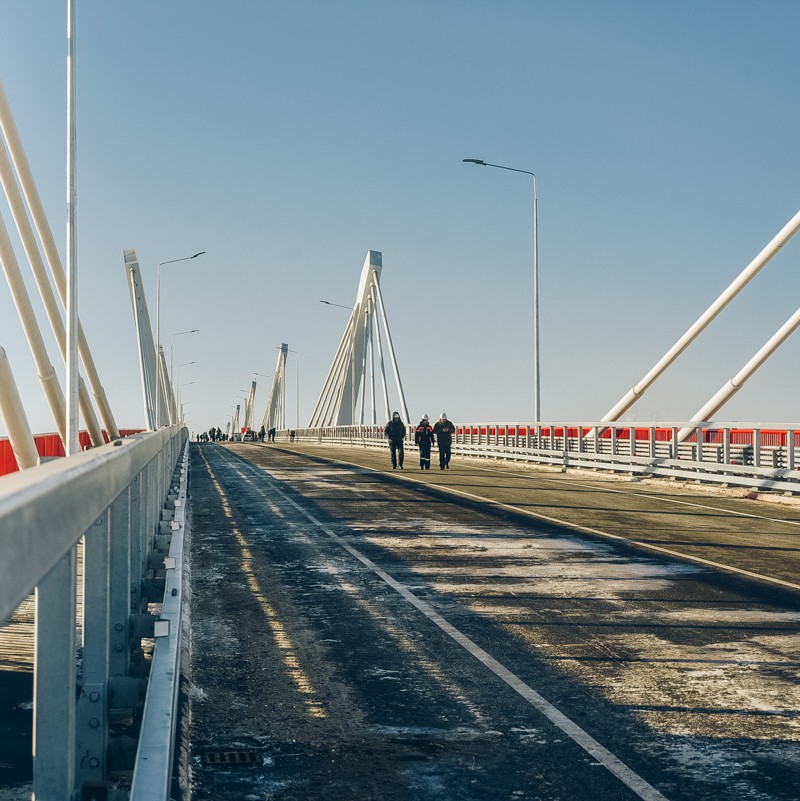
[180,400]
[158,328]
[328,303]
[536,377]
[297,388]
[352,364]
[183,364]
[171,338]
[297,372]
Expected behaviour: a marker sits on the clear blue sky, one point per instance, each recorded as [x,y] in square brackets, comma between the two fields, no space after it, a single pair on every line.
[287,139]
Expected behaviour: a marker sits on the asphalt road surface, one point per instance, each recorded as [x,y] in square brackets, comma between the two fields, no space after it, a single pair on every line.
[484,632]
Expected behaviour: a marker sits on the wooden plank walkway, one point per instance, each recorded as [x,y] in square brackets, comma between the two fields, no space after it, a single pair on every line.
[16,638]
[17,633]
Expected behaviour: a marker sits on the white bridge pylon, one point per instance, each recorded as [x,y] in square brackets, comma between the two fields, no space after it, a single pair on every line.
[275,414]
[346,382]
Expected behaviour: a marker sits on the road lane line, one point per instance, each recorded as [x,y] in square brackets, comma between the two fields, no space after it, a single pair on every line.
[600,753]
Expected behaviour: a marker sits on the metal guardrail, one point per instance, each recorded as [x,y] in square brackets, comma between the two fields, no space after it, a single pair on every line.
[755,456]
[112,498]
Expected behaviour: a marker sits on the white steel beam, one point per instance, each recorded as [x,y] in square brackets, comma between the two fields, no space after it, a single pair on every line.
[730,388]
[386,409]
[274,415]
[144,337]
[14,418]
[327,388]
[398,382]
[36,208]
[26,234]
[780,239]
[47,376]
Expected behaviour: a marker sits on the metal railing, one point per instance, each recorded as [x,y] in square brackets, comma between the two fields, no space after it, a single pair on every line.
[123,502]
[762,457]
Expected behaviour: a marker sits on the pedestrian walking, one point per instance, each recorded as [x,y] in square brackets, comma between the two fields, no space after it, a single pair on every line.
[395,431]
[444,430]
[262,432]
[272,434]
[423,436]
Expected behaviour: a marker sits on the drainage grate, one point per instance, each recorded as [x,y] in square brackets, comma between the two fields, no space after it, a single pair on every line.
[228,758]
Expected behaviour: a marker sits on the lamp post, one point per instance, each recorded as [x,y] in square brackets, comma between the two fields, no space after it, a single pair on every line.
[182,413]
[244,400]
[263,375]
[297,387]
[178,382]
[536,373]
[158,329]
[352,363]
[180,400]
[171,338]
[297,381]
[72,442]
[248,409]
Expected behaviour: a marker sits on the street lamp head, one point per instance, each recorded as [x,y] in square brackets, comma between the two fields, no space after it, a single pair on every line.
[328,303]
[474,161]
[197,254]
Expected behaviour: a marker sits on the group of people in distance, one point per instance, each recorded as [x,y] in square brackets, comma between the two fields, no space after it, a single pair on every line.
[425,436]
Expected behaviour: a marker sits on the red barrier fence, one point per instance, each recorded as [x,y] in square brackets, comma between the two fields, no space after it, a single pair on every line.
[48,446]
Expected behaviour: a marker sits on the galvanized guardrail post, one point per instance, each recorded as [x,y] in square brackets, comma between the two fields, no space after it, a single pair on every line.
[723,459]
[91,717]
[54,683]
[110,497]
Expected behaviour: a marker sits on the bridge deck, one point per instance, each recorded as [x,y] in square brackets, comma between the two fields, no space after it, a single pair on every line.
[358,633]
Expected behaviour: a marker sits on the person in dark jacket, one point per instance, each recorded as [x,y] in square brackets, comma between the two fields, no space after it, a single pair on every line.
[423,436]
[444,431]
[395,431]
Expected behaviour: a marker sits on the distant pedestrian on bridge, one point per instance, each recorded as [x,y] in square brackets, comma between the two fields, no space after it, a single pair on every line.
[271,435]
[423,436]
[444,431]
[395,431]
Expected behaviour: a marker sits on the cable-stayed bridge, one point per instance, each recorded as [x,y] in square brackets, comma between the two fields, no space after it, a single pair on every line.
[597,599]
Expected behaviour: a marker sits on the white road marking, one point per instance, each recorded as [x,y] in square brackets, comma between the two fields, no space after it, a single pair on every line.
[613,764]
